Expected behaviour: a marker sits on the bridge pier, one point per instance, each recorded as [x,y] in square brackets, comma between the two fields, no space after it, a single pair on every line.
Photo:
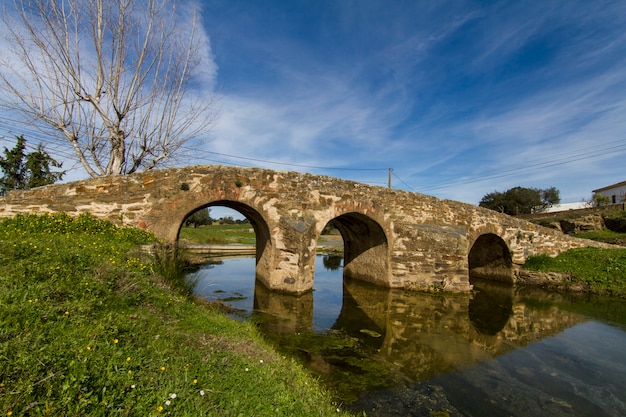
[294,243]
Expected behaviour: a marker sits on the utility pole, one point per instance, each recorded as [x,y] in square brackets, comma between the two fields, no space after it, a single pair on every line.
[389,180]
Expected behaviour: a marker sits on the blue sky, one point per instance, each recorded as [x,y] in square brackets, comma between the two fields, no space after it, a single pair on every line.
[459,98]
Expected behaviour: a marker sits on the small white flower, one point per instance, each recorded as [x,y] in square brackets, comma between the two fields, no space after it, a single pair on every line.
[132,386]
[172,396]
[202,393]
[167,402]
[247,369]
[261,361]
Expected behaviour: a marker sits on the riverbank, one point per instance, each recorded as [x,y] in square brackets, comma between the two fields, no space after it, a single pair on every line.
[587,270]
[90,325]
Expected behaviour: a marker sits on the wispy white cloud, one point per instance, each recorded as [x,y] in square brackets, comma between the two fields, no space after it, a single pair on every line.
[572,102]
[551,140]
[190,16]
[395,105]
[460,98]
[326,115]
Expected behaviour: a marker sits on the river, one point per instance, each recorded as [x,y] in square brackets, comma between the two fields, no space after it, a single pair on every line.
[502,351]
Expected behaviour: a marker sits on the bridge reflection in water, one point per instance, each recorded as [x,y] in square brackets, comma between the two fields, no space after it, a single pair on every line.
[419,335]
[423,335]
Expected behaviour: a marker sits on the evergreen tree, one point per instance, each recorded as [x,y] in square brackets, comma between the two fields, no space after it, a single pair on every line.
[38,168]
[21,171]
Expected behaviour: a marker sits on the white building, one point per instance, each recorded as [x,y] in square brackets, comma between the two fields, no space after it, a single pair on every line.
[615,192]
[566,206]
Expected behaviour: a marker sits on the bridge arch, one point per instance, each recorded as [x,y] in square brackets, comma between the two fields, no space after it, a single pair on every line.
[365,247]
[261,231]
[490,258]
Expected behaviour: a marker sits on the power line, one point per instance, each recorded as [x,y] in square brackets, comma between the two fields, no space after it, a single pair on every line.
[574,156]
[284,163]
[520,168]
[401,180]
[51,140]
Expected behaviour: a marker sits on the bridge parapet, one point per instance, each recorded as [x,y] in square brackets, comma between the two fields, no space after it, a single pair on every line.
[391,238]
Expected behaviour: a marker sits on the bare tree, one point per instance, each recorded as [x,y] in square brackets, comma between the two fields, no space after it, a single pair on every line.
[116,79]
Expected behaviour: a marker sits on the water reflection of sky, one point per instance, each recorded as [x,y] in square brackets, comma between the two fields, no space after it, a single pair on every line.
[578,372]
[233,282]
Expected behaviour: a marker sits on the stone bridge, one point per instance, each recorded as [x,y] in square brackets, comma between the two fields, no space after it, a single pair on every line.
[392,238]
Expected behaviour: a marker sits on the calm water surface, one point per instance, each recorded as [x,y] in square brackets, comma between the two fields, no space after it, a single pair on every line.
[499,352]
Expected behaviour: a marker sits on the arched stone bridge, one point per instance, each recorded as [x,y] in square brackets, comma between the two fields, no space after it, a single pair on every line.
[391,238]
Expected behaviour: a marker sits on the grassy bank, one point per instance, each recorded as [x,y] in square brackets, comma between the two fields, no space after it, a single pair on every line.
[89,326]
[220,234]
[599,271]
[594,270]
[605,235]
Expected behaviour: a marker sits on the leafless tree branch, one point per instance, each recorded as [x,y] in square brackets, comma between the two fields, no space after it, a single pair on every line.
[114,79]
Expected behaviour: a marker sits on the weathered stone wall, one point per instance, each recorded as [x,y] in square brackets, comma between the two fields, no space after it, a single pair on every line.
[575,213]
[392,238]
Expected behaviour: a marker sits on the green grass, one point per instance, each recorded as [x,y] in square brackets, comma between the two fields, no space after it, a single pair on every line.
[602,271]
[89,327]
[227,234]
[224,234]
[604,235]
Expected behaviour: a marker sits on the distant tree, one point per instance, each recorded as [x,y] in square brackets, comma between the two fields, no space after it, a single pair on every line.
[332,262]
[550,196]
[199,218]
[13,167]
[598,200]
[521,200]
[21,171]
[38,166]
[494,201]
[227,220]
